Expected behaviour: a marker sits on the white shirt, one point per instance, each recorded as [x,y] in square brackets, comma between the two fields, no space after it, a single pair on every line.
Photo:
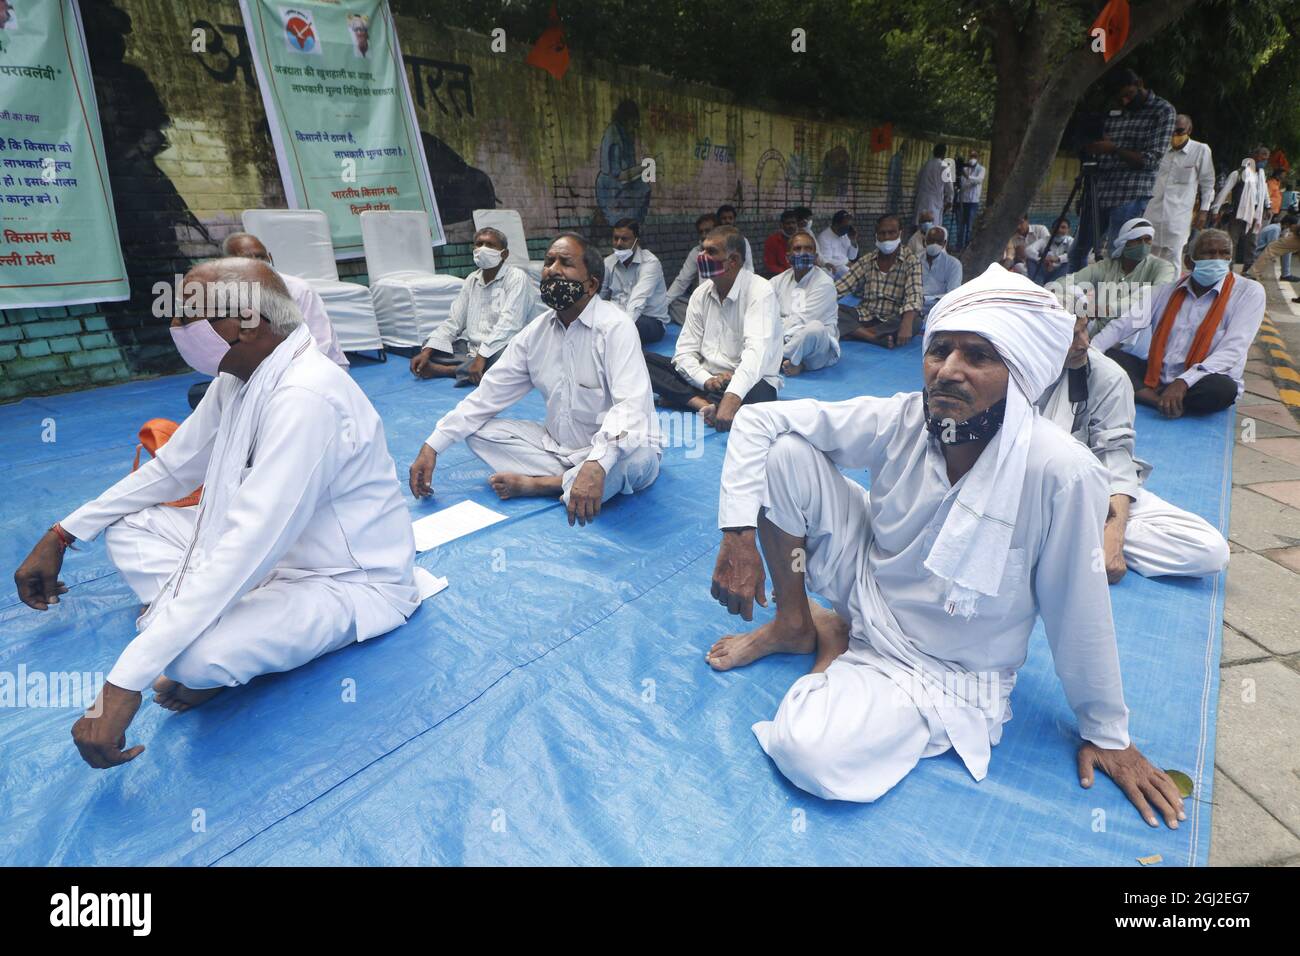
[811,298]
[1256,210]
[1035,239]
[972,181]
[637,287]
[485,314]
[836,251]
[1182,172]
[687,275]
[1241,318]
[1063,505]
[317,320]
[592,376]
[740,334]
[939,277]
[933,187]
[321,497]
[1058,246]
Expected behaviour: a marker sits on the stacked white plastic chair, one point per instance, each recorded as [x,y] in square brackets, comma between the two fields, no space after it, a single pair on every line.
[299,242]
[410,300]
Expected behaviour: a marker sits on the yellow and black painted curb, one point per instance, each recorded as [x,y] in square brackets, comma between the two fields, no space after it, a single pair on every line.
[1286,373]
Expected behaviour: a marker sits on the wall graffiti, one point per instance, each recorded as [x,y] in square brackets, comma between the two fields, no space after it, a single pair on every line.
[230,63]
[435,81]
[620,190]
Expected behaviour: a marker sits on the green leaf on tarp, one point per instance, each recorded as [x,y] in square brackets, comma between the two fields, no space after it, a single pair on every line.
[1183,782]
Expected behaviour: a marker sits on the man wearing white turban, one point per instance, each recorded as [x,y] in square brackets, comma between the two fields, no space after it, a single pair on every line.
[980,519]
[1111,287]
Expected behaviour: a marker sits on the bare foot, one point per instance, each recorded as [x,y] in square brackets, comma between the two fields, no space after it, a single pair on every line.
[1146,396]
[832,637]
[789,368]
[774,637]
[523,486]
[709,413]
[175,696]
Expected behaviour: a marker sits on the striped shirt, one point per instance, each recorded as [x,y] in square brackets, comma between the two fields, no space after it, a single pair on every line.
[485,314]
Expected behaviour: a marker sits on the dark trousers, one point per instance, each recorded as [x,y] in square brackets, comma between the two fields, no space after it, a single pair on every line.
[1211,393]
[676,391]
[1243,243]
[965,222]
[461,359]
[650,329]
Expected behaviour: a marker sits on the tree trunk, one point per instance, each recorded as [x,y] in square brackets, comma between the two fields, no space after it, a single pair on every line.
[1052,104]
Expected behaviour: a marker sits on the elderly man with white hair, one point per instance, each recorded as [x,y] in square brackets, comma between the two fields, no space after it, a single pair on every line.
[980,520]
[300,543]
[940,271]
[1112,286]
[1093,401]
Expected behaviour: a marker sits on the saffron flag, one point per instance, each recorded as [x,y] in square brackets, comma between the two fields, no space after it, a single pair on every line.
[882,138]
[1113,22]
[550,52]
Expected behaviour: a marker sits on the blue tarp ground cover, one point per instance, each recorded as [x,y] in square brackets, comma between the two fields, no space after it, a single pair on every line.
[553,705]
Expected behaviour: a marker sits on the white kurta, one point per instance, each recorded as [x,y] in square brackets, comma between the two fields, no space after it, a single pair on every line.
[485,315]
[637,287]
[1182,173]
[740,334]
[934,189]
[317,320]
[599,406]
[1241,320]
[836,251]
[319,551]
[809,323]
[1160,538]
[916,680]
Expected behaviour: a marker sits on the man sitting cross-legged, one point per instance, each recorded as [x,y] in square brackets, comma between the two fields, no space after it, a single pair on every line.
[887,282]
[980,520]
[1093,400]
[600,437]
[1185,346]
[300,544]
[729,350]
[805,295]
[492,306]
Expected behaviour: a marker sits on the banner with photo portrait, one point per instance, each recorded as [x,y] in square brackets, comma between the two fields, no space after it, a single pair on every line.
[340,112]
[58,232]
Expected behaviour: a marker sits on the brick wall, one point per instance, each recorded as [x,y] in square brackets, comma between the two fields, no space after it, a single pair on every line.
[189,149]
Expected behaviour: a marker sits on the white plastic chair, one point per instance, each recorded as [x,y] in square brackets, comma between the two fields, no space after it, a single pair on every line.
[510,223]
[410,300]
[299,242]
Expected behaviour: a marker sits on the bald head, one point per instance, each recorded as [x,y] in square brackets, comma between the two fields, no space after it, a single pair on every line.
[244,245]
[1183,122]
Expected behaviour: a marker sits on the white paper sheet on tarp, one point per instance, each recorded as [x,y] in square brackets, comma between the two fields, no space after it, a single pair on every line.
[429,584]
[452,523]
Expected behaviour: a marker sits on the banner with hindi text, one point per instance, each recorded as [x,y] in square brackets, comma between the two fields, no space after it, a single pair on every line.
[58,232]
[340,112]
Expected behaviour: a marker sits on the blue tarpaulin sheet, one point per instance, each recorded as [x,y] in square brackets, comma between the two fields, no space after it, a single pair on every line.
[553,706]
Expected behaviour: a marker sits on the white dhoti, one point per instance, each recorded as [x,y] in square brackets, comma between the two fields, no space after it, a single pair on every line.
[811,345]
[856,730]
[279,625]
[1170,238]
[526,448]
[1163,539]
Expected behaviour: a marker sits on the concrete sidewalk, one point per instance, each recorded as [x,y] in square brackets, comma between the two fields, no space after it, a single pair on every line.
[1257,754]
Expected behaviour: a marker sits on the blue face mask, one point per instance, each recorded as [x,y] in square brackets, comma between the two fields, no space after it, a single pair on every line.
[803,260]
[1208,272]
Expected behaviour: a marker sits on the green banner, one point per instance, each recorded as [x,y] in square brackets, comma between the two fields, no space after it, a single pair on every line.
[58,233]
[340,112]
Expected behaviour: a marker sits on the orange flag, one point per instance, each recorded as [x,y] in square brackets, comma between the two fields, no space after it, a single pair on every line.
[1113,20]
[550,52]
[882,138]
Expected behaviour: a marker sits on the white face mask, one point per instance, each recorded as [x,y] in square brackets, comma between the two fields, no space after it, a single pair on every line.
[926,226]
[485,257]
[933,249]
[623,254]
[200,346]
[887,246]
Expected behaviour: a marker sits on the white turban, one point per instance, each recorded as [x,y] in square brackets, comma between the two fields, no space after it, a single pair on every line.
[1032,333]
[1138,228]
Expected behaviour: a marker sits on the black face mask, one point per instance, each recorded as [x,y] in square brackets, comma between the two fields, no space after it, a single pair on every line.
[981,427]
[560,293]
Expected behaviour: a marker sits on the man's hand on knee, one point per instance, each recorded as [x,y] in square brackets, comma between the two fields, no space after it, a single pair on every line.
[586,493]
[738,578]
[37,578]
[100,735]
[726,412]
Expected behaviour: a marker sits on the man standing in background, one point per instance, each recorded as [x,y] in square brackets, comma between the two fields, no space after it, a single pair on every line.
[1186,169]
[968,198]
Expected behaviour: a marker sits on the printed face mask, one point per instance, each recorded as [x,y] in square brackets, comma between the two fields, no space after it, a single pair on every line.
[622,255]
[977,428]
[560,293]
[887,246]
[709,267]
[803,260]
[485,257]
[200,346]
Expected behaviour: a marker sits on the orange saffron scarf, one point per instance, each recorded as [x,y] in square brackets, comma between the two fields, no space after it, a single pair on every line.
[1204,334]
[153,436]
